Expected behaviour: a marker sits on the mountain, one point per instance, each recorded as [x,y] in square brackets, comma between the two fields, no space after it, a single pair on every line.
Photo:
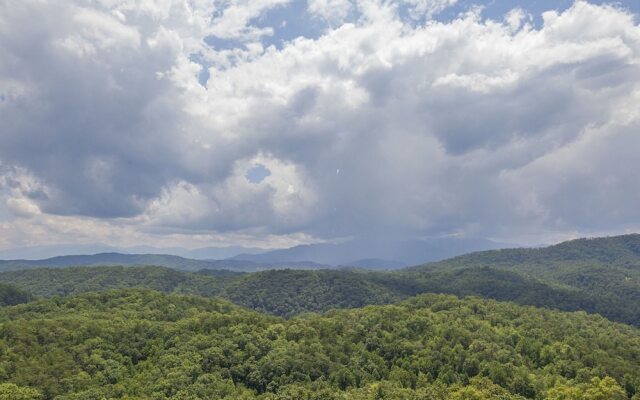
[48,282]
[375,264]
[291,292]
[108,259]
[621,251]
[220,253]
[104,334]
[147,345]
[359,251]
[50,251]
[163,260]
[606,268]
[369,254]
[603,279]
[609,265]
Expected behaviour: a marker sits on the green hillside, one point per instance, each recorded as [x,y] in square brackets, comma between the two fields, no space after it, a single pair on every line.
[146,345]
[291,292]
[47,282]
[603,280]
[607,270]
[621,251]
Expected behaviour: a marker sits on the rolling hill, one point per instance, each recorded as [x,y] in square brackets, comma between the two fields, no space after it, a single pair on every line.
[143,344]
[606,268]
[556,277]
[291,292]
[157,332]
[617,251]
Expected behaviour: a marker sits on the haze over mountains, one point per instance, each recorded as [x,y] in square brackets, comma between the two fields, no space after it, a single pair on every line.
[371,254]
[50,251]
[363,252]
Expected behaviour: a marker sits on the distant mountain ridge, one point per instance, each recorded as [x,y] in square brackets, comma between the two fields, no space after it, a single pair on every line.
[51,251]
[162,260]
[394,252]
[368,254]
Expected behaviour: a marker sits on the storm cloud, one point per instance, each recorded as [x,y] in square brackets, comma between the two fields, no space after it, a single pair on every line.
[126,120]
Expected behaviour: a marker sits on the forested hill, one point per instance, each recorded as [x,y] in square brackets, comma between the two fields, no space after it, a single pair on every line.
[620,251]
[555,277]
[607,269]
[47,282]
[146,345]
[291,292]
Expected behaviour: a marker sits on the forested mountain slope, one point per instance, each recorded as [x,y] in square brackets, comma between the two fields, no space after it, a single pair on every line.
[143,344]
[606,269]
[163,260]
[619,251]
[556,277]
[47,282]
[290,292]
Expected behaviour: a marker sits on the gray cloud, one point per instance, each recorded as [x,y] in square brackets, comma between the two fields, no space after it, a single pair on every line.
[92,121]
[379,127]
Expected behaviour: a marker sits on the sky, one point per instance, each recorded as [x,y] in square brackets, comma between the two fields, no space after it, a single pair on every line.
[272,123]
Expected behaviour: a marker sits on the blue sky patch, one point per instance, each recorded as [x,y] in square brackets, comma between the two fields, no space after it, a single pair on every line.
[257,173]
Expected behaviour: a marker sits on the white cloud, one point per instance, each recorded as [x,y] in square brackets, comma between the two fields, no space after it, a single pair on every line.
[234,21]
[333,11]
[23,207]
[477,82]
[429,8]
[491,127]
[516,18]
[105,31]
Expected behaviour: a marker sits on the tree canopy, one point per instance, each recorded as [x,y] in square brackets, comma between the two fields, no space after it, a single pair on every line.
[143,344]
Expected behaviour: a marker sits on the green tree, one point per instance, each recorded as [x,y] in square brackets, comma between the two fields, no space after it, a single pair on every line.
[9,391]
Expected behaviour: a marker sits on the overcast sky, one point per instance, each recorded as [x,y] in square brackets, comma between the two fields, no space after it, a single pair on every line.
[272,122]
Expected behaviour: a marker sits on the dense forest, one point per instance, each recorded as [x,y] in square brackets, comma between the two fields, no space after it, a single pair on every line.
[290,292]
[47,282]
[144,344]
[152,332]
[11,295]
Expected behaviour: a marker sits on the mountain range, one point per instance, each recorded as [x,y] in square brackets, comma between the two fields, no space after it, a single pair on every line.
[378,252]
[85,332]
[595,275]
[50,251]
[360,253]
[163,260]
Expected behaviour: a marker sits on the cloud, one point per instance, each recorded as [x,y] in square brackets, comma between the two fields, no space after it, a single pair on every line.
[235,20]
[428,8]
[475,126]
[333,11]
